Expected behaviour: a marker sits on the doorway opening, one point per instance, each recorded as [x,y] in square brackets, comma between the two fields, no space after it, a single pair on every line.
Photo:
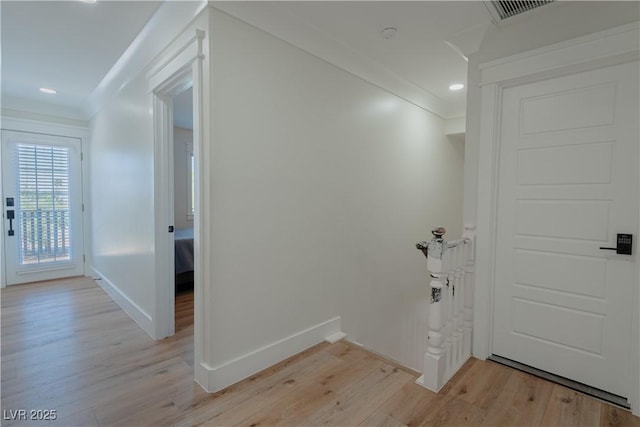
[173,237]
[184,209]
[182,70]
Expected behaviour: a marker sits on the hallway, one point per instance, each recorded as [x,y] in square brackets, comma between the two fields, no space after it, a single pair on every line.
[66,346]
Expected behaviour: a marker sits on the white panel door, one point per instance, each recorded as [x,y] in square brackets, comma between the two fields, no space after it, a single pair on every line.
[568,183]
[42,191]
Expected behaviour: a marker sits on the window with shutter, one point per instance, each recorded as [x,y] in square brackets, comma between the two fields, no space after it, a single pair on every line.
[44,217]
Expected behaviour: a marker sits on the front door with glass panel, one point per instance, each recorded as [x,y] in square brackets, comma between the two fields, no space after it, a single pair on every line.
[42,203]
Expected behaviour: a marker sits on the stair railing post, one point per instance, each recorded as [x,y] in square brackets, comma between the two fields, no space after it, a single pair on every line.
[450,313]
[435,358]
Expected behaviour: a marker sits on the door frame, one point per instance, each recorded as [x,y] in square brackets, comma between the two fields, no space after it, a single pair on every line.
[184,67]
[607,48]
[16,124]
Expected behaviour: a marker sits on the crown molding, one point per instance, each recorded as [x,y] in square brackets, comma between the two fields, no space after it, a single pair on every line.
[620,44]
[171,18]
[281,23]
[20,106]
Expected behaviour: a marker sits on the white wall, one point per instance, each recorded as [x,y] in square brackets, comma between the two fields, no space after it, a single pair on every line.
[321,186]
[182,149]
[122,193]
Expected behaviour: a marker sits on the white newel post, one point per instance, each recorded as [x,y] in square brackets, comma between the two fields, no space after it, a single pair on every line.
[450,264]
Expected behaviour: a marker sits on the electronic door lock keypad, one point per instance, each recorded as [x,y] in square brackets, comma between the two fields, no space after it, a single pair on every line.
[624,244]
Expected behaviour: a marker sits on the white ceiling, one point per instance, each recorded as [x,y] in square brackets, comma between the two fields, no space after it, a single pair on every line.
[65,45]
[418,57]
[70,46]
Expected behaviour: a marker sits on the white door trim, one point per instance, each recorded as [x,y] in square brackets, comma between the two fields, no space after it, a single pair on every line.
[606,48]
[56,129]
[184,67]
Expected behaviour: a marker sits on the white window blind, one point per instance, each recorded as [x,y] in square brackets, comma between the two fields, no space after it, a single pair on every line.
[43,203]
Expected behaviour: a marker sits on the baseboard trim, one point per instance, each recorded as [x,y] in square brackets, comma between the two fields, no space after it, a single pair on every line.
[226,374]
[134,311]
[334,338]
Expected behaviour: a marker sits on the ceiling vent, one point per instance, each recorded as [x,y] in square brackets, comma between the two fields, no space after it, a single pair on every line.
[504,9]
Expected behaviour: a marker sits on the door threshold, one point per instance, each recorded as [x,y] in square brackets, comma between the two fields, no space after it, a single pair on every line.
[574,385]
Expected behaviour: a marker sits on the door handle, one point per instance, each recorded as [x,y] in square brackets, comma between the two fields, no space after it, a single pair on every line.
[10,216]
[624,244]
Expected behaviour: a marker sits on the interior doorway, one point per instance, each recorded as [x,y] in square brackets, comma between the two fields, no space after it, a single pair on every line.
[184,68]
[169,238]
[184,206]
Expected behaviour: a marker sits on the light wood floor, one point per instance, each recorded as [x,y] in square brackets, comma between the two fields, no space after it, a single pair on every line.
[67,347]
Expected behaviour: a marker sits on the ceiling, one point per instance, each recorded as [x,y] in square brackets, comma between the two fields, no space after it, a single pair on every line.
[70,46]
[421,60]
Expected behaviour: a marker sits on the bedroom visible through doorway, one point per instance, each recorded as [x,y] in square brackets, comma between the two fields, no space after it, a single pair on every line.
[183,200]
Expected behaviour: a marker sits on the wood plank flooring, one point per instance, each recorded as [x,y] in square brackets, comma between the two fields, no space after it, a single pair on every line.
[66,346]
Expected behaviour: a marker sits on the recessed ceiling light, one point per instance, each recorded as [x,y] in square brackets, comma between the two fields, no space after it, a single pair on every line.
[47,90]
[456,86]
[88,1]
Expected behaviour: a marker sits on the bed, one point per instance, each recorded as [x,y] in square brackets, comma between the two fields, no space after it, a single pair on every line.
[184,258]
